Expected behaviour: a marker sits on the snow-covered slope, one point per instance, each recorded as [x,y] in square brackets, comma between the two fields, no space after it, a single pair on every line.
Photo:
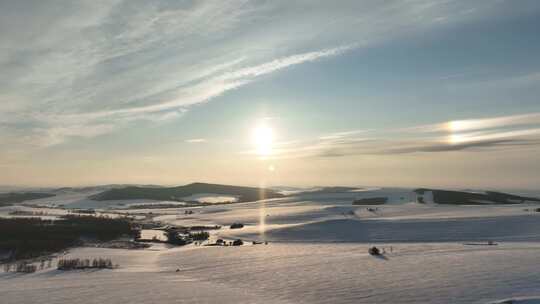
[317,253]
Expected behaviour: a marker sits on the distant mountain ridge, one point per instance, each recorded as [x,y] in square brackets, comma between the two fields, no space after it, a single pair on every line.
[244,194]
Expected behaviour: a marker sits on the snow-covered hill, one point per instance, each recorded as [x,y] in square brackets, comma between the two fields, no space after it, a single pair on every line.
[317,253]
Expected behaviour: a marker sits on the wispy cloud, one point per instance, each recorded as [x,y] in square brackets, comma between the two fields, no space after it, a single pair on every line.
[196,93]
[53,136]
[196,140]
[472,134]
[507,82]
[101,65]
[467,125]
[341,135]
[215,86]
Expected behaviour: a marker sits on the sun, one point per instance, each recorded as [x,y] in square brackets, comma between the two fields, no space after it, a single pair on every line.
[263,138]
[263,135]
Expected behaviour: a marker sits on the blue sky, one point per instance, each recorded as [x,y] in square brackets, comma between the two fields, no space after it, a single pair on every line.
[402,93]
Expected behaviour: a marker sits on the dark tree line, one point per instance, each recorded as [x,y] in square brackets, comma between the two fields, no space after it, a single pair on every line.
[7,199]
[73,264]
[173,237]
[199,236]
[32,237]
[22,267]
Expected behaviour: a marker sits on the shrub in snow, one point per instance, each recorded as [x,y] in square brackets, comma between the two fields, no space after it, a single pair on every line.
[374,251]
[200,236]
[237,226]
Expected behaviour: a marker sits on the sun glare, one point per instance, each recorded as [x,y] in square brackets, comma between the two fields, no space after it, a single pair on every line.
[457,125]
[455,139]
[458,131]
[263,138]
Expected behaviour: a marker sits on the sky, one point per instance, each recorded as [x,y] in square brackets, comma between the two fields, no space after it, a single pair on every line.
[291,93]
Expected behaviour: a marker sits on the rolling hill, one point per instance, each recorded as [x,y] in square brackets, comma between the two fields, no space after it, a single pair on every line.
[472,198]
[19,197]
[244,194]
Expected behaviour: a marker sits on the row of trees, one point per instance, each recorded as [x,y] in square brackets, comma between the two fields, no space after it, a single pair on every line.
[96,263]
[26,212]
[200,236]
[23,267]
[63,264]
[33,237]
[176,238]
[173,237]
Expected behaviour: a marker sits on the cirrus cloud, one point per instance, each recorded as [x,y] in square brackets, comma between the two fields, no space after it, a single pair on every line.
[97,66]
